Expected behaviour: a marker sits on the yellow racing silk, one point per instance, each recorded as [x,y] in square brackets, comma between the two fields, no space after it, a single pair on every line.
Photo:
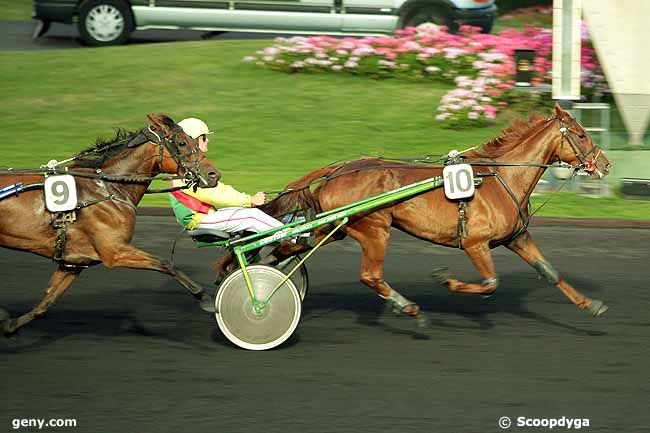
[219,196]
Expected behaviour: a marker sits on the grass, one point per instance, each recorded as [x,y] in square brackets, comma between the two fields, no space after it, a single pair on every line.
[576,206]
[518,20]
[271,127]
[16,10]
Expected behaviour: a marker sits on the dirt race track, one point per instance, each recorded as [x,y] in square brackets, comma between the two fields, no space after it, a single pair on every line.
[129,351]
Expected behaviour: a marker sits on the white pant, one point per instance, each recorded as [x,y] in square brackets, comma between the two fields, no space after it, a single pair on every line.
[239,219]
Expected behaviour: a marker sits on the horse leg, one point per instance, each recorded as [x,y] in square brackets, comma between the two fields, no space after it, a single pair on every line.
[59,282]
[525,247]
[128,256]
[223,266]
[480,255]
[374,242]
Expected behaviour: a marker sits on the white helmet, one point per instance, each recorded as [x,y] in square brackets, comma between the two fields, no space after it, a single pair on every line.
[194,127]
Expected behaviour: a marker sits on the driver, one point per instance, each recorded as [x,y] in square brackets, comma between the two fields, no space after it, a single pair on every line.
[221,208]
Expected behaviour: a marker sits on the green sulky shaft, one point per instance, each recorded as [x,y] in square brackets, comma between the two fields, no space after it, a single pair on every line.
[347,211]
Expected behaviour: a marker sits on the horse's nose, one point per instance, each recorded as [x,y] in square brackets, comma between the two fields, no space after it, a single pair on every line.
[214,176]
[607,167]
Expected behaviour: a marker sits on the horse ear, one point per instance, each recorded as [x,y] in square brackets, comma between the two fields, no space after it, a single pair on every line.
[558,109]
[162,121]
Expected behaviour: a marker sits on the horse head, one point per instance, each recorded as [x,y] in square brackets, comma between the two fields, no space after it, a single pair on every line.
[576,148]
[180,154]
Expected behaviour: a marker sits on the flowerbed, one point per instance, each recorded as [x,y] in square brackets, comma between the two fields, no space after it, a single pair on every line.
[480,65]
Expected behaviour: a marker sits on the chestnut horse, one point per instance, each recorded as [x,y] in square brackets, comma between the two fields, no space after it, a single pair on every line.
[496,215]
[110,179]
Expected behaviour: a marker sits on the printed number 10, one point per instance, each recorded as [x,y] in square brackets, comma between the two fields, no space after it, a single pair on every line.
[461,179]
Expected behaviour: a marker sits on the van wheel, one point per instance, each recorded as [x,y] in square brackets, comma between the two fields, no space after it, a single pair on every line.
[105,22]
[427,17]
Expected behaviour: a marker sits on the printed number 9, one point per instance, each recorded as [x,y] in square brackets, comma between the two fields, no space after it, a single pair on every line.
[61,192]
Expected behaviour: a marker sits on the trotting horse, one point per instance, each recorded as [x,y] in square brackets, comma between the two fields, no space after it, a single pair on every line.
[110,179]
[496,215]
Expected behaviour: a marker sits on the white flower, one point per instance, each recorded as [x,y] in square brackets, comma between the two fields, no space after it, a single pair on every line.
[250,58]
[432,69]
[452,53]
[478,64]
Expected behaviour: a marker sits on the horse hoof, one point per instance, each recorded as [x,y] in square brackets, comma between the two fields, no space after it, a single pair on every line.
[411,310]
[207,303]
[597,308]
[422,321]
[7,324]
[488,295]
[440,274]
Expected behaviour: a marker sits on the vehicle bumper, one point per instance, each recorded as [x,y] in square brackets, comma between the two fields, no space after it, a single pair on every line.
[483,17]
[54,11]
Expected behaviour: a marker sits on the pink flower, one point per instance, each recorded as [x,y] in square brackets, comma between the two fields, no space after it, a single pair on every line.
[490,111]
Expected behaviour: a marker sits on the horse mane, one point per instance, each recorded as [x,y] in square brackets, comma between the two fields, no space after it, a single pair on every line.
[103,150]
[512,136]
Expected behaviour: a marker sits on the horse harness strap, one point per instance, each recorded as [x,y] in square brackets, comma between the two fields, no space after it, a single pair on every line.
[462,223]
[60,223]
[525,219]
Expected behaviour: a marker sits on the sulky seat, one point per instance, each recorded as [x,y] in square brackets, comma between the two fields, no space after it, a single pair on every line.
[208,235]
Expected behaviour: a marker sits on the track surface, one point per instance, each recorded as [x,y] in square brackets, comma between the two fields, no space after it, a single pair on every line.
[129,351]
[17,35]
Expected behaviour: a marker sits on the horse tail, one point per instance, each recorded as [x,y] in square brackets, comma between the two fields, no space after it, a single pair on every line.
[297,195]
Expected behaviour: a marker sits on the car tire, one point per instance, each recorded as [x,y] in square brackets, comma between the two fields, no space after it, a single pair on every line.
[430,15]
[105,22]
[487,27]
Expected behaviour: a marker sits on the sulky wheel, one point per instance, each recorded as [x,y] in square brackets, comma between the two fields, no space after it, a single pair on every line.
[300,278]
[236,315]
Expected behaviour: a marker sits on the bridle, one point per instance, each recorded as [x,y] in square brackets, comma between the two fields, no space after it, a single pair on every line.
[568,135]
[191,171]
